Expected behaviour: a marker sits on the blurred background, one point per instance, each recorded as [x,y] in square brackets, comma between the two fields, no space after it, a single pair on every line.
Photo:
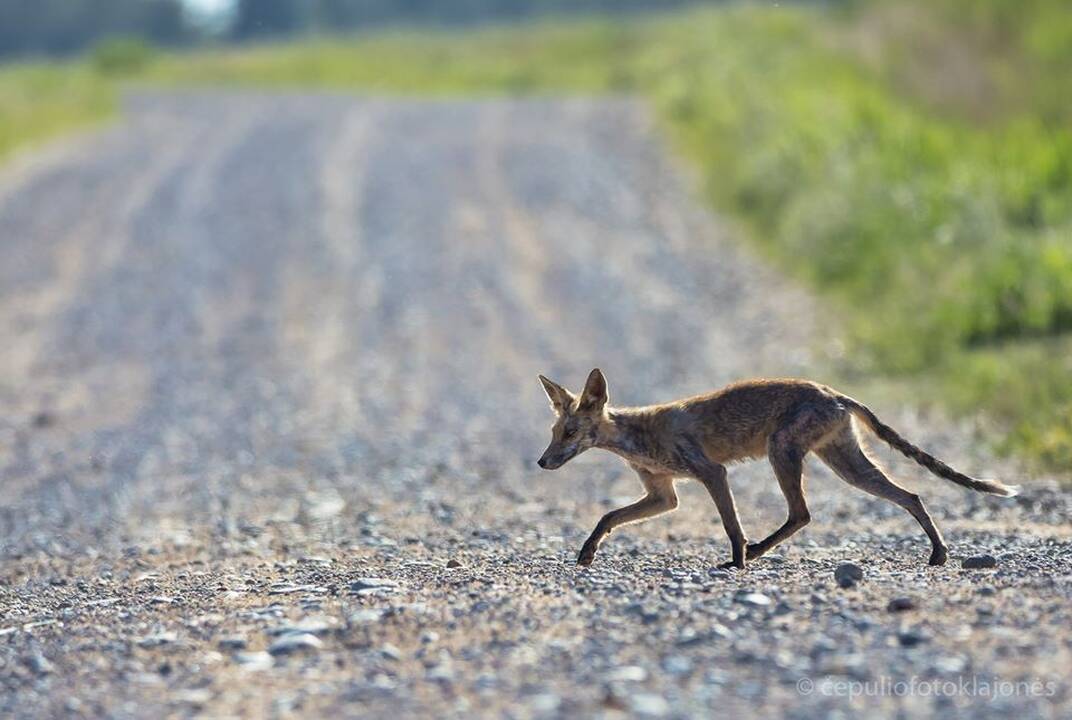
[910,160]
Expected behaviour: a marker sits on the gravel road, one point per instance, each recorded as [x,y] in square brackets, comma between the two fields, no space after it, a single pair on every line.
[270,416]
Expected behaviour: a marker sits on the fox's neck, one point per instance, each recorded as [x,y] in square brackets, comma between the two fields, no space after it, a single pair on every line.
[626,433]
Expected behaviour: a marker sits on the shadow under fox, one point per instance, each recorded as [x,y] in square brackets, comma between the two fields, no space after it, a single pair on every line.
[697,437]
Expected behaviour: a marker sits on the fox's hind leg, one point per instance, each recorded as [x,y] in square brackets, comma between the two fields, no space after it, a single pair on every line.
[661,498]
[786,450]
[845,457]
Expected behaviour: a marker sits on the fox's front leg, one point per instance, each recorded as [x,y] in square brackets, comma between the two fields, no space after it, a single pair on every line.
[714,477]
[661,498]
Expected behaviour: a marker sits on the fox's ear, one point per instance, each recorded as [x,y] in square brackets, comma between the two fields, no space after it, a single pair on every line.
[595,395]
[560,397]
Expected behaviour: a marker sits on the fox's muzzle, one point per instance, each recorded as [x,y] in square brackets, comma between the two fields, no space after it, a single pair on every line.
[555,457]
[549,463]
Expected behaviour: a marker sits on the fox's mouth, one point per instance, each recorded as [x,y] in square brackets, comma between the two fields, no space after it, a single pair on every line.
[563,455]
[555,461]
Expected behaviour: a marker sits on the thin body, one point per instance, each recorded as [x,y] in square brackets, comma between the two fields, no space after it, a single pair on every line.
[780,419]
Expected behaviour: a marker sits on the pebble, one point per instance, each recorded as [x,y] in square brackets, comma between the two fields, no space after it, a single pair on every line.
[440,673]
[545,703]
[254,661]
[848,574]
[233,642]
[901,604]
[39,664]
[285,589]
[753,599]
[195,696]
[367,615]
[315,626]
[627,673]
[646,615]
[649,705]
[979,562]
[950,664]
[452,563]
[372,586]
[713,634]
[677,665]
[295,642]
[149,641]
[911,638]
[852,665]
[99,602]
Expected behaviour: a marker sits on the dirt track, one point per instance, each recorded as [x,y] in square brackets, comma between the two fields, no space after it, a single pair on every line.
[268,381]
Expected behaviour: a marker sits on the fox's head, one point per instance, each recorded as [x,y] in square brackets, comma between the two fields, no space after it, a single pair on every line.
[578,419]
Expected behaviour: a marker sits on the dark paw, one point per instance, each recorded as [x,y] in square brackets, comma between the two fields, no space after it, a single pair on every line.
[938,557]
[732,564]
[588,554]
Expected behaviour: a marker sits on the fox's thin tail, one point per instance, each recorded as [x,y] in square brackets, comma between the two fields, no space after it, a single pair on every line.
[936,466]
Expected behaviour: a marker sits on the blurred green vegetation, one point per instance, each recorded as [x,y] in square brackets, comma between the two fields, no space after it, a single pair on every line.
[912,161]
[1024,385]
[121,55]
[40,101]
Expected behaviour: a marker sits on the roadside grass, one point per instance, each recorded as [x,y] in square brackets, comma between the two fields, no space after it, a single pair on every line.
[914,165]
[41,101]
[551,57]
[1026,389]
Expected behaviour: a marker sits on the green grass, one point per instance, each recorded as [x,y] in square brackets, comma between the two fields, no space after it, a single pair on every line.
[911,161]
[1026,390]
[579,57]
[41,101]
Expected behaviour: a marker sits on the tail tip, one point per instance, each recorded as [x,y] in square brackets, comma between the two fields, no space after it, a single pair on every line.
[999,488]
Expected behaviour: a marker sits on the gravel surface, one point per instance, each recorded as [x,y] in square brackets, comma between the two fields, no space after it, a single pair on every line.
[270,417]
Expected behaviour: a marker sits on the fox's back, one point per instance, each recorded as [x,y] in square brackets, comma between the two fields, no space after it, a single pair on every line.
[734,423]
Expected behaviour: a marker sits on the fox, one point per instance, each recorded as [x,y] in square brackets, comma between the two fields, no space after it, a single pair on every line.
[697,437]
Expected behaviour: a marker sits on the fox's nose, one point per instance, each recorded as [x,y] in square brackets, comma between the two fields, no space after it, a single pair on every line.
[542,463]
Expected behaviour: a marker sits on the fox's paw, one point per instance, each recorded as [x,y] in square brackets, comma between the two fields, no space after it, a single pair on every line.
[938,557]
[731,565]
[588,554]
